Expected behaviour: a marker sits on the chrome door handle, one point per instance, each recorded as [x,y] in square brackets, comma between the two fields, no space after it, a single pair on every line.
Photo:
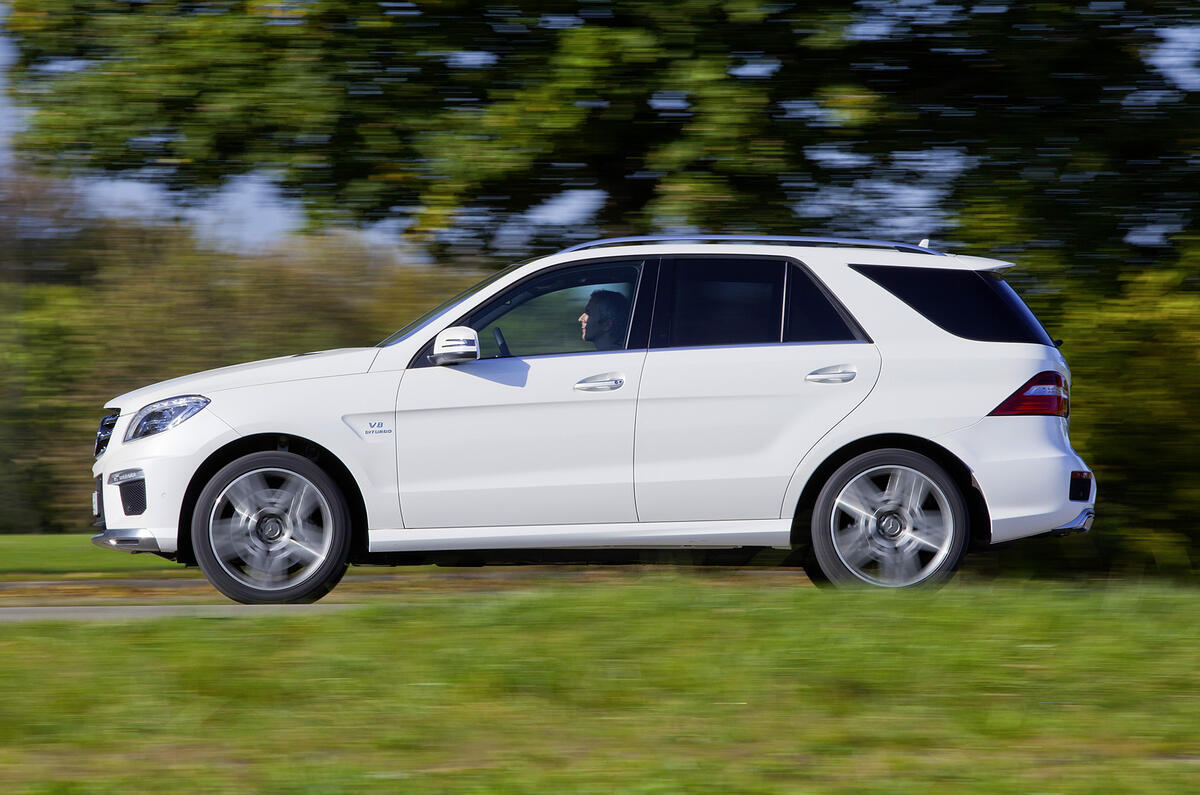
[605,383]
[834,374]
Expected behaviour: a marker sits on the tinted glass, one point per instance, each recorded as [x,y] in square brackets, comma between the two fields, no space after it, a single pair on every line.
[811,317]
[545,314]
[725,302]
[972,304]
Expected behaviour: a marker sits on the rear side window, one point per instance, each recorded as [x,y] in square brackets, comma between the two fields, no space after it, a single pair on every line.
[714,301]
[977,305]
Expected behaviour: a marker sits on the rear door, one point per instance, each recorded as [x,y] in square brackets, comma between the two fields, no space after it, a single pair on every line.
[751,361]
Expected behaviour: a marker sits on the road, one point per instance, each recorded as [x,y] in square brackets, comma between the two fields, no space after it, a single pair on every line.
[108,599]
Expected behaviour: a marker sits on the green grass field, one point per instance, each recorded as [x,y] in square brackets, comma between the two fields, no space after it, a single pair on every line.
[676,680]
[74,556]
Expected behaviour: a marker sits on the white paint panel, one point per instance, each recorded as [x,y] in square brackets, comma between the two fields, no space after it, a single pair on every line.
[720,430]
[512,442]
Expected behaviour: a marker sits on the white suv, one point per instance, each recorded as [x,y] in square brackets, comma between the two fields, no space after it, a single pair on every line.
[868,409]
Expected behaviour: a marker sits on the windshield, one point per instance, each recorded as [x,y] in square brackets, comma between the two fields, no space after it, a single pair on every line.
[410,328]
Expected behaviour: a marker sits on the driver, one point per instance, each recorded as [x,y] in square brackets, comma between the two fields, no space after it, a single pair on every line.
[604,320]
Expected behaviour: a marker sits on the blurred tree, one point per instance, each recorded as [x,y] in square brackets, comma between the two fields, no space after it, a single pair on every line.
[1060,134]
[715,114]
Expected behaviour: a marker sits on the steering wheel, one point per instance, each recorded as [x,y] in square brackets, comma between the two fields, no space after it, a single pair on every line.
[500,343]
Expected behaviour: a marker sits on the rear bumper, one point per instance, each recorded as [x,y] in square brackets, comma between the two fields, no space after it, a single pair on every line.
[1023,467]
[1080,524]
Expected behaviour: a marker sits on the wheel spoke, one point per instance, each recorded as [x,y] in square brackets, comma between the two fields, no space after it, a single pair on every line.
[907,488]
[899,568]
[853,545]
[929,535]
[304,499]
[255,558]
[860,497]
[308,533]
[278,561]
[229,538]
[247,493]
[302,552]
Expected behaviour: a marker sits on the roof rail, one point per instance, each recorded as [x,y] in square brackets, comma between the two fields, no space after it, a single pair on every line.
[768,239]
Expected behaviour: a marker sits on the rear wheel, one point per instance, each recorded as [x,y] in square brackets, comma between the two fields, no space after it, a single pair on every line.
[892,518]
[272,527]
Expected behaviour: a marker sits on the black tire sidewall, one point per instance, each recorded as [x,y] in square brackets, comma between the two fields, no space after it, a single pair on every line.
[826,556]
[327,574]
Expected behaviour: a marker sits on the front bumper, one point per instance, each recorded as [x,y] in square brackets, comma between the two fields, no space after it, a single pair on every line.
[162,466]
[128,540]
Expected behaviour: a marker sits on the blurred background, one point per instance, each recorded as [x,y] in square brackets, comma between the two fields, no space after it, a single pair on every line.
[185,185]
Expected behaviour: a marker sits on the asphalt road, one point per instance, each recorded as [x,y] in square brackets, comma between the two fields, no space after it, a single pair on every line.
[131,599]
[9,615]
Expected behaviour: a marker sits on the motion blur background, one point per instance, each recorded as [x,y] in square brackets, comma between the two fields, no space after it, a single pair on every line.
[185,185]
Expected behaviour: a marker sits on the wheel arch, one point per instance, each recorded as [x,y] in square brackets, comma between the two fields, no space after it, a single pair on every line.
[265,442]
[979,519]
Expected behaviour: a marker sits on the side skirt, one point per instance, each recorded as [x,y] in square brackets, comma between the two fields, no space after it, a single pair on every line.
[638,535]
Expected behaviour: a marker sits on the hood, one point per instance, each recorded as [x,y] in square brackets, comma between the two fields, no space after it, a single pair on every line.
[299,367]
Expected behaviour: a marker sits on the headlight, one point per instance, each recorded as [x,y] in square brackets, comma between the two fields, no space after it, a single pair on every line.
[164,415]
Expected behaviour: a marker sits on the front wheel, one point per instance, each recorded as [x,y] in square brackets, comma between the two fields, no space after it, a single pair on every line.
[892,518]
[272,527]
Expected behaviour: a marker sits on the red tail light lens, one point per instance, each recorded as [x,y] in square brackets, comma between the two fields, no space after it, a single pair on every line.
[1044,394]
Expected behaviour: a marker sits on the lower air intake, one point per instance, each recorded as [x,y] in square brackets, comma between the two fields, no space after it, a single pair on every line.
[133,497]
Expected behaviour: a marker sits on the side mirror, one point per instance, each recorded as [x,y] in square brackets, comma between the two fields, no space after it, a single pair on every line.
[455,345]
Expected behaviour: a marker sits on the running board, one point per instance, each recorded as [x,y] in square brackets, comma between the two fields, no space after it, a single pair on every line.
[635,535]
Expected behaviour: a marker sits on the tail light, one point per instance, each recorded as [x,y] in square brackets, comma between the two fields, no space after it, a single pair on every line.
[1044,394]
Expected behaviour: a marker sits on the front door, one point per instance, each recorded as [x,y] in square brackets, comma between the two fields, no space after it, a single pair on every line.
[539,430]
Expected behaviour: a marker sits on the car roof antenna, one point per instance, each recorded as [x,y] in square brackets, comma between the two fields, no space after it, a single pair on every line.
[924,243]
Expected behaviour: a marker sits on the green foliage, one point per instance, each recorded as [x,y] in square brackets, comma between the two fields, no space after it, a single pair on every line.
[159,307]
[715,114]
[1136,367]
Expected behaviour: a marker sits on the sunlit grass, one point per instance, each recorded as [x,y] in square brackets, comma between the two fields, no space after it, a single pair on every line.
[673,681]
[74,556]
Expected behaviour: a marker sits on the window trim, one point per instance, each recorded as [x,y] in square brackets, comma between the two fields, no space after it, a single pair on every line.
[641,304]
[661,321]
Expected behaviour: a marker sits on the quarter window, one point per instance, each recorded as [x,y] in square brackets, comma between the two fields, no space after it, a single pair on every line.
[976,305]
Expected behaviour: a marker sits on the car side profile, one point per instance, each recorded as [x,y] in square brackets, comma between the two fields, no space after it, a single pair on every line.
[867,409]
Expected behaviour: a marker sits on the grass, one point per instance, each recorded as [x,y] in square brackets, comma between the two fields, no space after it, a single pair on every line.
[74,556]
[676,681]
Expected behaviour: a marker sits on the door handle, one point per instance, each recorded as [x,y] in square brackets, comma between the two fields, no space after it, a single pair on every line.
[605,382]
[834,374]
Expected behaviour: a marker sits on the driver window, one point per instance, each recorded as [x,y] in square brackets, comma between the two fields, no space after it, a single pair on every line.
[575,310]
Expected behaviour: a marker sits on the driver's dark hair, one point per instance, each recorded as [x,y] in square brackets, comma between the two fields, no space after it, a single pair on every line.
[609,305]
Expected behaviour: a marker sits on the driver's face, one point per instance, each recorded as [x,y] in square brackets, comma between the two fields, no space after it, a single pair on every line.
[583,323]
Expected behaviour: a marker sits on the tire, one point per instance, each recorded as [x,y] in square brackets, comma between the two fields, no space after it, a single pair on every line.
[272,527]
[890,518]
